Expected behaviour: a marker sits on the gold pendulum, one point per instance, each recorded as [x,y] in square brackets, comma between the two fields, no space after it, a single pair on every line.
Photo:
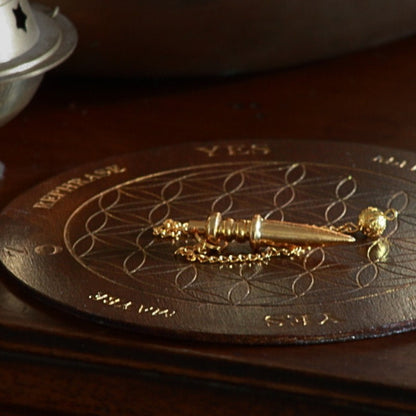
[268,238]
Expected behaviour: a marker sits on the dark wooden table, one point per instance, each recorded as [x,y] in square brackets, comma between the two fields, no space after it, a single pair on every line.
[53,363]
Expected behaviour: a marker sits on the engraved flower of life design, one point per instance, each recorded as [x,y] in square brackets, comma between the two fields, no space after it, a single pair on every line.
[111,233]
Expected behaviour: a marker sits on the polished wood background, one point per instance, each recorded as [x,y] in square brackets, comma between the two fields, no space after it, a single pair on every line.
[219,37]
[52,363]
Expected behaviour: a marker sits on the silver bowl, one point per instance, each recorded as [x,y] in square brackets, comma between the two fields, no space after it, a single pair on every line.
[21,75]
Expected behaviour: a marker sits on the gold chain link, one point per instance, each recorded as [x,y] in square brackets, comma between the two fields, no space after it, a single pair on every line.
[194,254]
[171,228]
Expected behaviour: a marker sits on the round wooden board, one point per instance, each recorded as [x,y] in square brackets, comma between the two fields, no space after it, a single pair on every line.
[84,240]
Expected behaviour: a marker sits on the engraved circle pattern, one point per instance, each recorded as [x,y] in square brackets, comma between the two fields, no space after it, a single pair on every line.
[117,244]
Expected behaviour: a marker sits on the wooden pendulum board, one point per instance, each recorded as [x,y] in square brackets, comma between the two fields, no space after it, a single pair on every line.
[83,240]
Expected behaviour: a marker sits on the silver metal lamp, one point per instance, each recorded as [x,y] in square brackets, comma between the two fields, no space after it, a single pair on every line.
[33,39]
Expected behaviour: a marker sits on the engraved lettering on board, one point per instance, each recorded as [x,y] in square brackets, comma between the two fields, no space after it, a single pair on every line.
[235,150]
[14,251]
[299,320]
[41,250]
[141,309]
[48,249]
[48,200]
[393,161]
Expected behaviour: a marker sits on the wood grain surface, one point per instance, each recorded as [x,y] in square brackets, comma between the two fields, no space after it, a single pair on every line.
[52,363]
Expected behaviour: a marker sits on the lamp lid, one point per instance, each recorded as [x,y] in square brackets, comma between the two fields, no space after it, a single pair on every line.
[32,39]
[19,30]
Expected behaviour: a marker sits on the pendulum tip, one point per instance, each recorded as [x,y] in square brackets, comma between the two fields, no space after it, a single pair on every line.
[334,237]
[349,238]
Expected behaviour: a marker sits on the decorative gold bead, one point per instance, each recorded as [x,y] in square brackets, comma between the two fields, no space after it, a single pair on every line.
[372,222]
